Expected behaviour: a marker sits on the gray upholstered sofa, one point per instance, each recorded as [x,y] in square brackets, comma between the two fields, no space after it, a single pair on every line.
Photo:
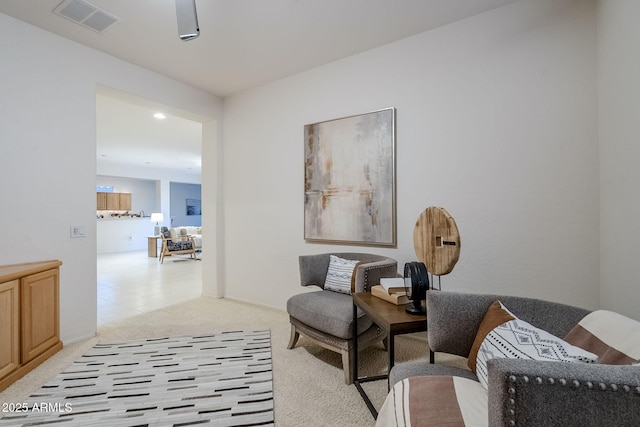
[520,392]
[326,317]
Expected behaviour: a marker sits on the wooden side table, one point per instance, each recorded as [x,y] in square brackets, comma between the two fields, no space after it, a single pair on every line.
[153,246]
[391,318]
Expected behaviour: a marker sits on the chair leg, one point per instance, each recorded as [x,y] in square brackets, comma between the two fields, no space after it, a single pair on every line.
[293,339]
[348,365]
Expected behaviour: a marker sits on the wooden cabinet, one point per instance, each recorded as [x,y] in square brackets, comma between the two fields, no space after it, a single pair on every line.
[40,317]
[124,201]
[29,317]
[113,201]
[102,201]
[9,327]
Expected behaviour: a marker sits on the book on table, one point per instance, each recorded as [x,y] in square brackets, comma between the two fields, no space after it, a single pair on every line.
[392,284]
[397,298]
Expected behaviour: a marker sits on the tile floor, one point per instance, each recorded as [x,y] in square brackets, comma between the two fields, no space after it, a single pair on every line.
[131,283]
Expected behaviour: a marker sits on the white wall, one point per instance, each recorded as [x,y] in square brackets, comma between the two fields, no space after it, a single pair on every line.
[619,74]
[496,122]
[48,153]
[123,234]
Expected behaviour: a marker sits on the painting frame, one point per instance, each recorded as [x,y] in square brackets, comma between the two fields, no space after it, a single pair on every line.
[194,207]
[350,180]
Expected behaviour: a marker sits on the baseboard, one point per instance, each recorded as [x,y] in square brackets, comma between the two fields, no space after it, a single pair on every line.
[81,338]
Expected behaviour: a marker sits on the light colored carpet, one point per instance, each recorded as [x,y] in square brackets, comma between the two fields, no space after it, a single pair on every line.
[308,381]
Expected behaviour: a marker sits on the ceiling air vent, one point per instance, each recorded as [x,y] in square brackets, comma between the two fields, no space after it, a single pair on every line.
[86,14]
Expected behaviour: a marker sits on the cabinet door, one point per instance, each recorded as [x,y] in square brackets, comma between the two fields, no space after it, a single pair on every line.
[40,313]
[9,327]
[113,201]
[125,201]
[102,201]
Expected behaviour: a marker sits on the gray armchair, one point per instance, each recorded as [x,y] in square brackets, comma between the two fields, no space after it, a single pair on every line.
[528,392]
[326,317]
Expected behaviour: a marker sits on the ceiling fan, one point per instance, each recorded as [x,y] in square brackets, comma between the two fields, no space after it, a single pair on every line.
[187,20]
[89,16]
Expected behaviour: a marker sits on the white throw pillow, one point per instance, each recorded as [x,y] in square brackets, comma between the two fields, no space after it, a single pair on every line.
[339,274]
[517,339]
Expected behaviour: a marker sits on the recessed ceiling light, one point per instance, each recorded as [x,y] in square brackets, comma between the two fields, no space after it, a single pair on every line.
[159,116]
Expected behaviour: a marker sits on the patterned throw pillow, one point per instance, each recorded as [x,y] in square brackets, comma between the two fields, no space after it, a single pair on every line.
[517,339]
[613,337]
[339,274]
[495,316]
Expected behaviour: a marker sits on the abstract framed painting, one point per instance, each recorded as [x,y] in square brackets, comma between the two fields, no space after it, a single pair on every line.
[349,180]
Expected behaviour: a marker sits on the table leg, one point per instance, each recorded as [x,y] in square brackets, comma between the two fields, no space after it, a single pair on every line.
[392,355]
[392,350]
[152,247]
[354,373]
[356,379]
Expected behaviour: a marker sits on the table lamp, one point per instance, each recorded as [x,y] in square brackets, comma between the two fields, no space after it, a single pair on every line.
[157,218]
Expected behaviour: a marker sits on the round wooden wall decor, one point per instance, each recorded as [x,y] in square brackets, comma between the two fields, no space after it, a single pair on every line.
[436,240]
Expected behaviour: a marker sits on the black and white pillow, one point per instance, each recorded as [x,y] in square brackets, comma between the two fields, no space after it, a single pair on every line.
[339,274]
[517,339]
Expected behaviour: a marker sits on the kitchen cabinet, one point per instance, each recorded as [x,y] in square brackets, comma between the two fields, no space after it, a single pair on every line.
[124,201]
[102,201]
[113,201]
[29,317]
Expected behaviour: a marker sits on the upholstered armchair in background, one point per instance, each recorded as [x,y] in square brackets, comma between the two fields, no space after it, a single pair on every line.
[326,316]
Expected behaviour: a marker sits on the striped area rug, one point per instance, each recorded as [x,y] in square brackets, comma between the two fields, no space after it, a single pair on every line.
[224,379]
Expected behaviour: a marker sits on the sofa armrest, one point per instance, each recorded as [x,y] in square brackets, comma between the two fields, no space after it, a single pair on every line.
[535,393]
[368,274]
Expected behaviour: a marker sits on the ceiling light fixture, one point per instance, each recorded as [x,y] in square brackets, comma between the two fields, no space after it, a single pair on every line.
[188,28]
[159,116]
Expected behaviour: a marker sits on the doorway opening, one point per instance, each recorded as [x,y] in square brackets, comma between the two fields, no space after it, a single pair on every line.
[142,149]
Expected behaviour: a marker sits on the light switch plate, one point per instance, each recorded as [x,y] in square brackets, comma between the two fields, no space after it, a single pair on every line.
[78,231]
